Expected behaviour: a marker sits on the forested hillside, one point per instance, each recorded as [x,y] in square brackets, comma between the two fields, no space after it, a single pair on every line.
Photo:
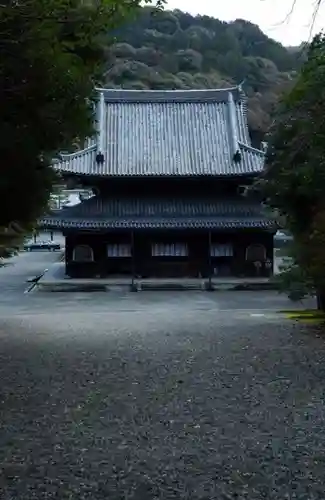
[174,50]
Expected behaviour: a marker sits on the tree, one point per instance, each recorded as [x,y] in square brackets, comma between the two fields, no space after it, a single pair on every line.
[294,182]
[52,55]
[203,52]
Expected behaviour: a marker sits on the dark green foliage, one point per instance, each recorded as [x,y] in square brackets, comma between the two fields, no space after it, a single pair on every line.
[292,279]
[182,51]
[52,54]
[294,182]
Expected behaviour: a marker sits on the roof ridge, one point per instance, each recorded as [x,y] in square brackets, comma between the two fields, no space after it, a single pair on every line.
[233,132]
[170,95]
[220,89]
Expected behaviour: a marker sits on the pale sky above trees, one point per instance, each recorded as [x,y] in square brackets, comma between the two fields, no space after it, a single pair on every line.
[271,15]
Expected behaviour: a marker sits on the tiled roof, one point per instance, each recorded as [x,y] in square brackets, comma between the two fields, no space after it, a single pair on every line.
[97,213]
[168,133]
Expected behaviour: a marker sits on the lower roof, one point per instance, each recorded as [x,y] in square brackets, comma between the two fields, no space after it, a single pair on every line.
[164,213]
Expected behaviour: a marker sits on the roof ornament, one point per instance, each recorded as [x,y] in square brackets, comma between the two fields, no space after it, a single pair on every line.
[100,158]
[264,146]
[240,86]
[237,157]
[240,90]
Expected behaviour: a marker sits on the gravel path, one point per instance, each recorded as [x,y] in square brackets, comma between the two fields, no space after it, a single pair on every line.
[156,404]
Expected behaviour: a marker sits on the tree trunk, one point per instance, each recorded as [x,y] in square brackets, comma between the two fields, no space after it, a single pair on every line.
[320,296]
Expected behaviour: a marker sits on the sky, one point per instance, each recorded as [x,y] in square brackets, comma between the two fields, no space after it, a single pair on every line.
[269,15]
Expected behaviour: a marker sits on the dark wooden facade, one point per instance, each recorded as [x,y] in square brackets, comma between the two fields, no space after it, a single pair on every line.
[198,262]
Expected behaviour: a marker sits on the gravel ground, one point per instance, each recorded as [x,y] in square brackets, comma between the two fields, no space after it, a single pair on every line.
[157,403]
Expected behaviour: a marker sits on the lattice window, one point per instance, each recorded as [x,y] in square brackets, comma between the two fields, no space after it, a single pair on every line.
[83,253]
[169,250]
[256,252]
[119,250]
[221,250]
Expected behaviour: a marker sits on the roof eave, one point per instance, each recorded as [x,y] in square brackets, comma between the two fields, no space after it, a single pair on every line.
[101,224]
[161,176]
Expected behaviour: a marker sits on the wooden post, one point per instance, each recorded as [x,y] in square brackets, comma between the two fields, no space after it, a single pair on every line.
[133,259]
[210,262]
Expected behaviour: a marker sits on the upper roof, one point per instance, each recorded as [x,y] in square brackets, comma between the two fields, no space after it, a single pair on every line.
[168,133]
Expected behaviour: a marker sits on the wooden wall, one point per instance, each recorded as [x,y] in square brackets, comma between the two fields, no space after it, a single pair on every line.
[198,262]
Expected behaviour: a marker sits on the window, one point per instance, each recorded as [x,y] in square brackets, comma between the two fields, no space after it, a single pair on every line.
[119,250]
[83,253]
[256,253]
[221,250]
[169,250]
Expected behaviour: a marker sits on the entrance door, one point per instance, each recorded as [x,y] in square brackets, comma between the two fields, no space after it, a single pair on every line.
[222,257]
[119,259]
[169,260]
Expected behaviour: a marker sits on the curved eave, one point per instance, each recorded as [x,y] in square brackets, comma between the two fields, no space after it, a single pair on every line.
[77,154]
[84,164]
[251,149]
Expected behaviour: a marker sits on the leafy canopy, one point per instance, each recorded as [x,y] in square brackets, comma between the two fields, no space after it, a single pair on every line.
[177,50]
[294,182]
[52,55]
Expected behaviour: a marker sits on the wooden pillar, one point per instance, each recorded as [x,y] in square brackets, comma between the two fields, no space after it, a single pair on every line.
[67,254]
[133,258]
[210,261]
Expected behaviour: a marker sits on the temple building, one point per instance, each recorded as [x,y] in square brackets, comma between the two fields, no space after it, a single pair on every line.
[169,171]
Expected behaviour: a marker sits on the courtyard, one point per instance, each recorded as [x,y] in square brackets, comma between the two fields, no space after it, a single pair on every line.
[156,395]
